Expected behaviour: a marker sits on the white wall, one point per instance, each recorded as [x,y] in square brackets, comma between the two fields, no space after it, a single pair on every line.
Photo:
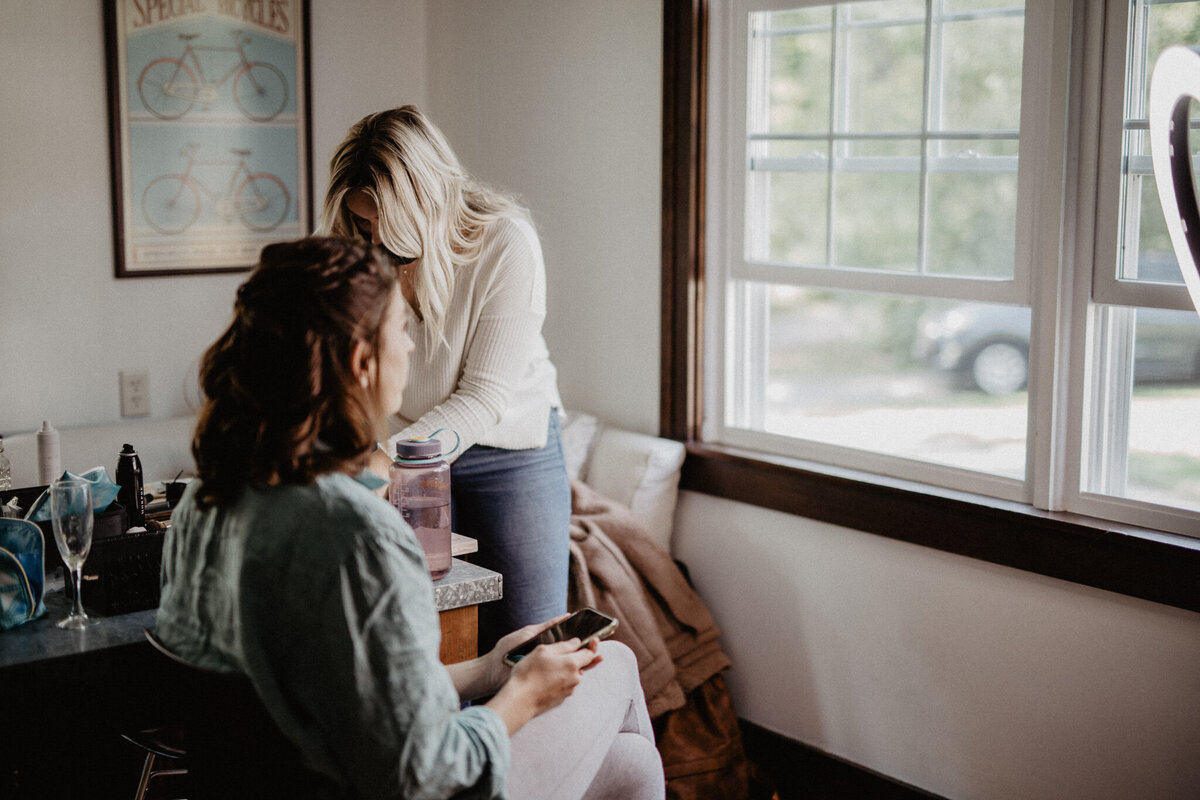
[67,326]
[559,101]
[368,55]
[963,678]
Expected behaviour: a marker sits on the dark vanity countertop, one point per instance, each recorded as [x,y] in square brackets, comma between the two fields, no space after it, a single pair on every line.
[40,641]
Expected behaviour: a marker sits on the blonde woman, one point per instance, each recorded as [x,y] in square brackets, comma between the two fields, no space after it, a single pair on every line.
[472,272]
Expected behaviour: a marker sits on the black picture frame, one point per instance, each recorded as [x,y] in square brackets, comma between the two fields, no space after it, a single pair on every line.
[210,132]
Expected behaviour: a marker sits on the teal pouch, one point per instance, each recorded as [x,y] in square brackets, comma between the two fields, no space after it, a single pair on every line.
[22,572]
[104,491]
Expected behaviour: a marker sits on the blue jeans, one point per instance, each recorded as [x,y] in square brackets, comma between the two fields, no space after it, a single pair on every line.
[517,504]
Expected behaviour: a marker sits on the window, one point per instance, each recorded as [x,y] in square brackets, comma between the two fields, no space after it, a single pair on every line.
[934,250]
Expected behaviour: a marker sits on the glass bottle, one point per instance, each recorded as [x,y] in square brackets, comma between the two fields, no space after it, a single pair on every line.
[5,469]
[420,490]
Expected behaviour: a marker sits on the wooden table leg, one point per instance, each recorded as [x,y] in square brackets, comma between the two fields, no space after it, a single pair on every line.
[460,631]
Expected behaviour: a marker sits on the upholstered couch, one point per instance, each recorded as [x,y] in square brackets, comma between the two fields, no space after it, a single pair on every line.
[635,469]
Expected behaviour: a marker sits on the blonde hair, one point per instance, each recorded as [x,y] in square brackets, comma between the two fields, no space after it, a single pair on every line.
[430,209]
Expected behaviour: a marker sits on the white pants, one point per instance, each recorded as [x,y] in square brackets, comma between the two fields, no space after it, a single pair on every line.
[597,744]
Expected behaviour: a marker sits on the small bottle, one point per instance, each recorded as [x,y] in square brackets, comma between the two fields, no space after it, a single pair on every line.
[49,455]
[129,478]
[420,490]
[5,469]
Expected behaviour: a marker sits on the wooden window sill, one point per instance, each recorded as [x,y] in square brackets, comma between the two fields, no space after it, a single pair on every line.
[1148,564]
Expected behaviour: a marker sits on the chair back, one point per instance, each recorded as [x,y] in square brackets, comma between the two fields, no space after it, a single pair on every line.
[234,748]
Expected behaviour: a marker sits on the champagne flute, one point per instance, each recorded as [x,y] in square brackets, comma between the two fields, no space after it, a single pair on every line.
[71,514]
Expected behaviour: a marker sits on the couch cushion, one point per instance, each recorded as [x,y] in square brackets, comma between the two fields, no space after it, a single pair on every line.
[578,438]
[641,472]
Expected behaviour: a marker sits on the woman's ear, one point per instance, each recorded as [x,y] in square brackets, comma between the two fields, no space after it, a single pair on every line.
[362,363]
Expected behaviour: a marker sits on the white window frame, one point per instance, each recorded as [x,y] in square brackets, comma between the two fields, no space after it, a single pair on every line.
[1107,289]
[1068,130]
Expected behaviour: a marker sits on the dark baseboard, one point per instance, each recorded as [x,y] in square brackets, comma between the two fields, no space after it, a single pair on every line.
[785,769]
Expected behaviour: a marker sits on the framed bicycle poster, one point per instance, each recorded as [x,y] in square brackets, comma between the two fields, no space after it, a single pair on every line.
[210,134]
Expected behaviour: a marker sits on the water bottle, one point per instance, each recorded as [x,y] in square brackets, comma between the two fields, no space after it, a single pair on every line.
[420,490]
[129,478]
[5,469]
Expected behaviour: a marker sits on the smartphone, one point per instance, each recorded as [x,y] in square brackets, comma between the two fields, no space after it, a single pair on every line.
[587,624]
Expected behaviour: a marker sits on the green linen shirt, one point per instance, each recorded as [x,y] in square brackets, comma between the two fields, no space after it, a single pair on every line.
[321,595]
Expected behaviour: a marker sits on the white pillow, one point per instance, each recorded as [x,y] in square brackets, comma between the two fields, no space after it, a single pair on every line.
[641,472]
[578,437]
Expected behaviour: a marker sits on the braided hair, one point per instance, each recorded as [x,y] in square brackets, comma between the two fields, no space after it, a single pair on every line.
[281,400]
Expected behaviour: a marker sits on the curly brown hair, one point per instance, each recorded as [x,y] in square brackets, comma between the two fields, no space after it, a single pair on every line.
[281,400]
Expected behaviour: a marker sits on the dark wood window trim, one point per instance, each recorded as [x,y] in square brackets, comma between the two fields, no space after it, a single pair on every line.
[1152,565]
[684,57]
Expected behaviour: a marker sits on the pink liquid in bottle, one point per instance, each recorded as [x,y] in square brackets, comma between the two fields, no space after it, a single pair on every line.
[429,517]
[421,492]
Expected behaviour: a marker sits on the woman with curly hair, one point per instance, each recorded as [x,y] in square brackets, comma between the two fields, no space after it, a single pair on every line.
[471,268]
[283,565]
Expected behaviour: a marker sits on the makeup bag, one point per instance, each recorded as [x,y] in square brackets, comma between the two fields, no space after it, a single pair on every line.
[22,572]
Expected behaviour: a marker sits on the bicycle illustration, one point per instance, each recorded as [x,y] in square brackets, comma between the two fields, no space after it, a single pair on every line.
[171,203]
[168,86]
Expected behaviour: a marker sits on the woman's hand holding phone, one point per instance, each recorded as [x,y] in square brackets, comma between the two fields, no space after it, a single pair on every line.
[554,670]
[542,680]
[498,670]
[585,625]
[547,662]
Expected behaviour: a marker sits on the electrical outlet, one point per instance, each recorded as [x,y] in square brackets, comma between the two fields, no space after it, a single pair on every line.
[135,393]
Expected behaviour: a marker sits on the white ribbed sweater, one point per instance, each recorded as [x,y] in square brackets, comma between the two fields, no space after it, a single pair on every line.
[494,384]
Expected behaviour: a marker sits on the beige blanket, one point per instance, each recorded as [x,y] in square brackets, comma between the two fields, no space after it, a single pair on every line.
[616,568]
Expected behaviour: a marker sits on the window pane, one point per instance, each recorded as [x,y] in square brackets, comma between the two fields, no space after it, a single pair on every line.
[794,105]
[1154,259]
[791,19]
[1166,24]
[884,68]
[972,223]
[1146,251]
[882,203]
[961,6]
[1155,456]
[790,225]
[1164,444]
[981,59]
[888,10]
[876,206]
[931,380]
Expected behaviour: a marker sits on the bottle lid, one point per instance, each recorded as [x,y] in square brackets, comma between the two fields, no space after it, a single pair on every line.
[418,449]
[128,450]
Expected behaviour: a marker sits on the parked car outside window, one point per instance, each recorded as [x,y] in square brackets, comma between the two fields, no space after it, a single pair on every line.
[986,347]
